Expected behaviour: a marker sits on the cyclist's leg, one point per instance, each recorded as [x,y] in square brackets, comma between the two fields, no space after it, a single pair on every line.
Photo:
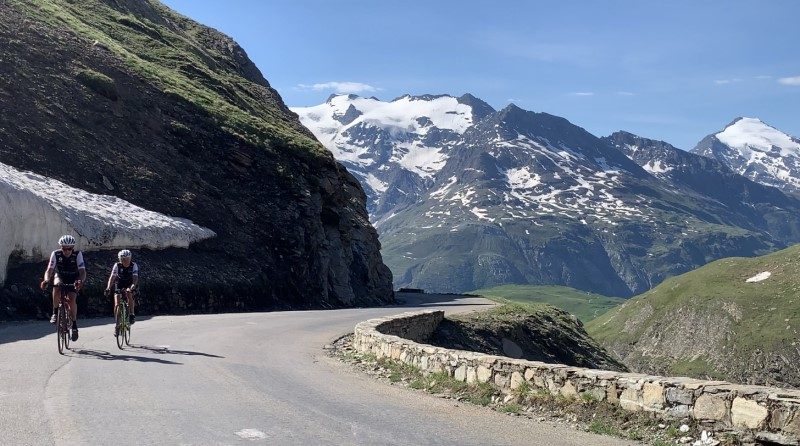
[116,305]
[128,299]
[56,293]
[130,302]
[73,305]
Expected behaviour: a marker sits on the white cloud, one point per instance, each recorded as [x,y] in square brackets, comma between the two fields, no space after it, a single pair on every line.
[625,93]
[794,81]
[582,93]
[763,77]
[727,81]
[514,100]
[339,87]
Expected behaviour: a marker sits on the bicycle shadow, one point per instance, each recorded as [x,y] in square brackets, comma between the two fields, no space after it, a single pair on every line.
[106,356]
[166,350]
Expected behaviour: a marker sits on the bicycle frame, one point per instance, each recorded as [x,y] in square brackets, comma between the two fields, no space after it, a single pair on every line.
[64,320]
[122,322]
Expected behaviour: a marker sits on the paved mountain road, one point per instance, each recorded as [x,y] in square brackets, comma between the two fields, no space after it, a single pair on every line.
[251,378]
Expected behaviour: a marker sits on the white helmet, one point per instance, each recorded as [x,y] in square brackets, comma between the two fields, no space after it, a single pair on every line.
[124,254]
[66,240]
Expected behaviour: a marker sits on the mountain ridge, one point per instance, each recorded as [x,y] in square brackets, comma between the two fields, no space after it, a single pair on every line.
[524,197]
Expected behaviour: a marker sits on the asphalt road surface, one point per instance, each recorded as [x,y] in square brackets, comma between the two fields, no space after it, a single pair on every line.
[252,378]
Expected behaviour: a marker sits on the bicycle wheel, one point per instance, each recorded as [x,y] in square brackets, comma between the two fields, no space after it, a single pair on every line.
[120,325]
[67,330]
[61,321]
[128,333]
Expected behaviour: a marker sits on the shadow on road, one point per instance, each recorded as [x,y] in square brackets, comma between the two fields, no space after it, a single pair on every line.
[28,330]
[169,351]
[24,331]
[106,356]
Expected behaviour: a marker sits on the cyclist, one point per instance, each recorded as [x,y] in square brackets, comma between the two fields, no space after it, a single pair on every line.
[68,267]
[125,277]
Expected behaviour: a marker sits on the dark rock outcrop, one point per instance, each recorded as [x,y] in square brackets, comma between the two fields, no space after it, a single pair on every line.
[292,228]
[536,333]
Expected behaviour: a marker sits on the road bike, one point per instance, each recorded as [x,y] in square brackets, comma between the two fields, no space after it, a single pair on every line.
[123,323]
[63,319]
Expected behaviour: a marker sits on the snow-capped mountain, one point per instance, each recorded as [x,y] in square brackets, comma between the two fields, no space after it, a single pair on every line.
[745,201]
[394,148]
[523,197]
[758,151]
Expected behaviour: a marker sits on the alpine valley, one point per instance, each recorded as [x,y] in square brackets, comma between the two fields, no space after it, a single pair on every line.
[466,197]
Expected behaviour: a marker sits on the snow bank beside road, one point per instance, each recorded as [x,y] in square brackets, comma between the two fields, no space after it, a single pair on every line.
[35,210]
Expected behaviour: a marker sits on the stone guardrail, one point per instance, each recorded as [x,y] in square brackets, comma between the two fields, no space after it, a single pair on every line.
[759,413]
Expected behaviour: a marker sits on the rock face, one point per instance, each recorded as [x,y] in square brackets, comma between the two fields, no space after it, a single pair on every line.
[746,203]
[547,334]
[131,99]
[467,197]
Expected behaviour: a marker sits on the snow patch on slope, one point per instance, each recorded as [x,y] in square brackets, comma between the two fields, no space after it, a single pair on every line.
[36,210]
[420,159]
[522,178]
[656,167]
[376,184]
[759,277]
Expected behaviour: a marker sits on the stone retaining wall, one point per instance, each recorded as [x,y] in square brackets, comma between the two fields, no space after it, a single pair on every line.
[759,413]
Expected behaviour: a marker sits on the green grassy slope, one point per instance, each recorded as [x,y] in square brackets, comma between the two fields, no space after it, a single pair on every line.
[586,306]
[712,322]
[183,58]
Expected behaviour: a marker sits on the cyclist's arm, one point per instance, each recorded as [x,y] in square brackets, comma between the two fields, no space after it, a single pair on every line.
[48,273]
[113,277]
[135,276]
[81,267]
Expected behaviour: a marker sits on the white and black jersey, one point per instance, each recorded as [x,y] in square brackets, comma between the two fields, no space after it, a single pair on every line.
[124,276]
[67,268]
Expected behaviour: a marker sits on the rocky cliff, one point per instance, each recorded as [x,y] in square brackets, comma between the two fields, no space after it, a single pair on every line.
[128,98]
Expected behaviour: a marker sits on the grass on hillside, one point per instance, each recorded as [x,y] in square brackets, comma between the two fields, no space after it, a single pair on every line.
[98,82]
[586,306]
[179,61]
[509,309]
[764,315]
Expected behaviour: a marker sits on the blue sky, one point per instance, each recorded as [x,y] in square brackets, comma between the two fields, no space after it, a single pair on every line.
[674,71]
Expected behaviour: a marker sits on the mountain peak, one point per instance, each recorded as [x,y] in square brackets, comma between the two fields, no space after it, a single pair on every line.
[623,134]
[480,109]
[754,134]
[511,113]
[744,120]
[511,108]
[421,97]
[624,137]
[758,151]
[350,97]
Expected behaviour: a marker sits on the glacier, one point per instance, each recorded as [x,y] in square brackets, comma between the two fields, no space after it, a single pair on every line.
[36,210]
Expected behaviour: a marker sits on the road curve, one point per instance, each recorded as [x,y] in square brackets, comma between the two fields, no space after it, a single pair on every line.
[251,378]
